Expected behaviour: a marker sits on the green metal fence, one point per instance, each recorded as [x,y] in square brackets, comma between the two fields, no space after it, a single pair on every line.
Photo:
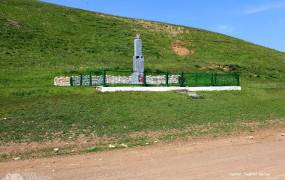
[123,78]
[210,79]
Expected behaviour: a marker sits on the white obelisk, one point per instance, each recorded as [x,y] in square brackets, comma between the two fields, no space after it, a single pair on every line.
[138,62]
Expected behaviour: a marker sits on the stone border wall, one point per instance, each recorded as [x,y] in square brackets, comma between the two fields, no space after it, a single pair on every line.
[112,80]
[61,81]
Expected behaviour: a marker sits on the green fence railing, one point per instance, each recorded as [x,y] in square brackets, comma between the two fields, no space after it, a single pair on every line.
[210,79]
[123,78]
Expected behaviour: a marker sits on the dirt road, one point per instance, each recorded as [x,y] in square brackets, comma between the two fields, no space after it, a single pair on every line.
[244,157]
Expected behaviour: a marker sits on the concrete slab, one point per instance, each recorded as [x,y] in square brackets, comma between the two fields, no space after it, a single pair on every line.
[165,89]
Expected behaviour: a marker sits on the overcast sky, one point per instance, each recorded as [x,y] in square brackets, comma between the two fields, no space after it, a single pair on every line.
[258,21]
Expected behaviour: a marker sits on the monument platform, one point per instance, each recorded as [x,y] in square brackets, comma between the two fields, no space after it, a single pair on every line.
[165,89]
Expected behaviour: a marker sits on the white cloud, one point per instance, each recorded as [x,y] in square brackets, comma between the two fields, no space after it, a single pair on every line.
[264,8]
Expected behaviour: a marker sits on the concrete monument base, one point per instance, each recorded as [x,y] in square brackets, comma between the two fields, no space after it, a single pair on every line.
[165,89]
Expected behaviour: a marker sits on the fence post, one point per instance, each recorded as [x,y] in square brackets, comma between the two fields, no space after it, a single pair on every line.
[215,79]
[90,79]
[212,80]
[167,79]
[182,79]
[238,79]
[81,79]
[71,81]
[104,78]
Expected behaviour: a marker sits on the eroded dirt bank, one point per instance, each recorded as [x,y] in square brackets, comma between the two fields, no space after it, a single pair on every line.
[258,156]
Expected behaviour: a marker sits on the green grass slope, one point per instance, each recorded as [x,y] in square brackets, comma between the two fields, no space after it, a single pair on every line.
[39,41]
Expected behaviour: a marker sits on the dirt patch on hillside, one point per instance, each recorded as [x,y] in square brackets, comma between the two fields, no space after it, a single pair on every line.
[166,28]
[179,48]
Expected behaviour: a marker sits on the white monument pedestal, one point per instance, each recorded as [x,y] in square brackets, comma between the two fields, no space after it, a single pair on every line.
[165,89]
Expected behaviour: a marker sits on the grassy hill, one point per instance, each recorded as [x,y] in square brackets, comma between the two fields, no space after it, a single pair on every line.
[39,41]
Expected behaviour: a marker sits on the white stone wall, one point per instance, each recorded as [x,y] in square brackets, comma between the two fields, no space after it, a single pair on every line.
[118,79]
[161,80]
[156,80]
[61,81]
[173,79]
[76,80]
[98,80]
